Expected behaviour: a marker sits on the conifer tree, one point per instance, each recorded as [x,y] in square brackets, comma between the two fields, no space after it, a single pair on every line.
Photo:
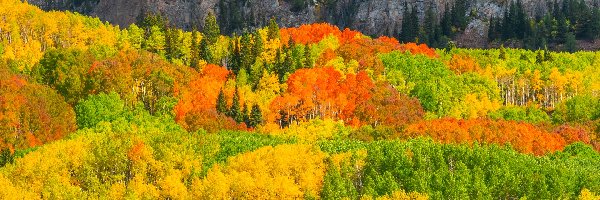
[245,115]
[273,31]
[211,29]
[258,46]
[570,43]
[195,51]
[410,25]
[205,51]
[221,104]
[246,51]
[308,61]
[256,117]
[429,27]
[234,111]
[492,29]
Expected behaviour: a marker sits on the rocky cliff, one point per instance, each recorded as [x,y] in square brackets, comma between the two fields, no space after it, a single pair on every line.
[372,17]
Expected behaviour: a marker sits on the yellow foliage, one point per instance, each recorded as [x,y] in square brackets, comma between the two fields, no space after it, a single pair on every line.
[475,106]
[399,195]
[587,195]
[361,155]
[26,32]
[314,130]
[282,172]
[270,47]
[143,190]
[10,192]
[172,186]
[117,191]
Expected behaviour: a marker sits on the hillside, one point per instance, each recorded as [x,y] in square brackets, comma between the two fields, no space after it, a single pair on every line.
[89,110]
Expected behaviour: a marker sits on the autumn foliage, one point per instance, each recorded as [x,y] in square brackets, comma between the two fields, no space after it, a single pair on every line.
[523,137]
[197,102]
[313,33]
[31,114]
[322,93]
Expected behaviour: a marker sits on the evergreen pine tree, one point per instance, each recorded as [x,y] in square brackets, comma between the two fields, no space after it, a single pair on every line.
[502,53]
[308,61]
[445,23]
[234,111]
[547,55]
[458,14]
[286,66]
[570,43]
[273,31]
[211,29]
[256,117]
[492,29]
[245,115]
[258,46]
[221,103]
[234,61]
[205,52]
[195,50]
[429,27]
[246,51]
[539,59]
[409,26]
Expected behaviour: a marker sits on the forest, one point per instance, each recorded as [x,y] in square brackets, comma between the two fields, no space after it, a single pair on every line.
[89,110]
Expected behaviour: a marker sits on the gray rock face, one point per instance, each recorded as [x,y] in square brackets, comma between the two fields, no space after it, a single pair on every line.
[372,17]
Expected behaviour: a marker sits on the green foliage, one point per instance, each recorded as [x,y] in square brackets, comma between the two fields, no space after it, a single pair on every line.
[235,111]
[410,24]
[64,70]
[438,89]
[273,30]
[221,103]
[570,43]
[456,171]
[211,29]
[578,109]
[528,114]
[99,108]
[256,117]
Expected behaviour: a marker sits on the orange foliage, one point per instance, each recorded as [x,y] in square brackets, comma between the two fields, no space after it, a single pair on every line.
[365,51]
[31,114]
[462,64]
[419,49]
[390,108]
[524,137]
[138,76]
[323,93]
[573,134]
[313,33]
[198,100]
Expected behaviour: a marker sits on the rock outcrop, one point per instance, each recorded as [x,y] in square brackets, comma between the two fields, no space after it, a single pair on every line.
[372,17]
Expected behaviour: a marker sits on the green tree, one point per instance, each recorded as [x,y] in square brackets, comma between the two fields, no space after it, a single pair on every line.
[570,43]
[99,108]
[206,52]
[211,29]
[256,117]
[429,27]
[273,31]
[195,50]
[258,46]
[410,25]
[173,44]
[246,51]
[234,111]
[221,103]
[156,40]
